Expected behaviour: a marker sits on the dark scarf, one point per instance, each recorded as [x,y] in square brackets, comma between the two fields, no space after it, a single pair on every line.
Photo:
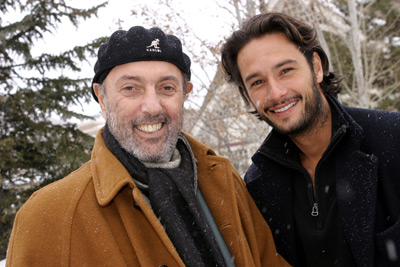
[171,193]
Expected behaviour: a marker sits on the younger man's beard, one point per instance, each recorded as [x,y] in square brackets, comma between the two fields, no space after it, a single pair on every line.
[313,115]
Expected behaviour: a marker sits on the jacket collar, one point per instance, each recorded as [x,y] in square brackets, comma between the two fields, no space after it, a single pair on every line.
[109,175]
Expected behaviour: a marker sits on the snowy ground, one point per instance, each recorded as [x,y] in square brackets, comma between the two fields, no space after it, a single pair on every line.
[3,263]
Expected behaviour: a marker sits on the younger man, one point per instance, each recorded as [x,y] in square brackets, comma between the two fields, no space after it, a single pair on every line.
[327,177]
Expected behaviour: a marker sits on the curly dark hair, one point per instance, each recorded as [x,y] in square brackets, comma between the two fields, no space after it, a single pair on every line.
[301,34]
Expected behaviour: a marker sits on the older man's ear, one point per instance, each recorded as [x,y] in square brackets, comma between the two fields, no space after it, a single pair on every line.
[188,89]
[100,96]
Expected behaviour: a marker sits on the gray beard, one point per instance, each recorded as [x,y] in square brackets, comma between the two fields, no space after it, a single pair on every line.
[125,137]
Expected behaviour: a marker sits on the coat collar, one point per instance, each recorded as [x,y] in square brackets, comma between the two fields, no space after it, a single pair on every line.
[110,176]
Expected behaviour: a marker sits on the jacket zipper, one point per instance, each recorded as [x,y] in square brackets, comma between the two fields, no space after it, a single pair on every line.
[313,201]
[314,211]
[314,204]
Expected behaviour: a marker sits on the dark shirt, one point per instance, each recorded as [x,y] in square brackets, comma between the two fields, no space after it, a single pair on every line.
[318,228]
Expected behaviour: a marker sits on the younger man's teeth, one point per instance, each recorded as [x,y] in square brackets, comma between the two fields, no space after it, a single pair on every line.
[285,107]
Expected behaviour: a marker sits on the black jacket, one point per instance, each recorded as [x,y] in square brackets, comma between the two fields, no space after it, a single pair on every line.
[367,185]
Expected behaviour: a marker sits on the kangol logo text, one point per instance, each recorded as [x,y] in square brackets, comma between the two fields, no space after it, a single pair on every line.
[153,47]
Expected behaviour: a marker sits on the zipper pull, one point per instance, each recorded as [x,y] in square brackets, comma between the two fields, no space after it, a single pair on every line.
[314,211]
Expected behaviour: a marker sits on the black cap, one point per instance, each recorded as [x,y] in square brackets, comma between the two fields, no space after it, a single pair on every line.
[139,44]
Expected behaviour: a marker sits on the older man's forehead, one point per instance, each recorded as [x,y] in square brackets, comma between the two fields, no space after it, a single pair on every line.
[141,78]
[142,71]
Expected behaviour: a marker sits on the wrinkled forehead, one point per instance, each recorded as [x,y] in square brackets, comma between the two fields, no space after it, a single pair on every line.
[145,71]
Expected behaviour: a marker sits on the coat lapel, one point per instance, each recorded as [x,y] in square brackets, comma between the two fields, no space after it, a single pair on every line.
[356,187]
[272,192]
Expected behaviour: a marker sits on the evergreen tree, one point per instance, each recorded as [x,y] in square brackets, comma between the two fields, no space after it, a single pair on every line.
[34,149]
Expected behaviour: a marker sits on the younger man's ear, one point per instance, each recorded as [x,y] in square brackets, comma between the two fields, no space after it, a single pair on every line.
[317,67]
[100,97]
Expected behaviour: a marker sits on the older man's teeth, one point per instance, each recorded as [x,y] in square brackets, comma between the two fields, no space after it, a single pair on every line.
[285,107]
[149,128]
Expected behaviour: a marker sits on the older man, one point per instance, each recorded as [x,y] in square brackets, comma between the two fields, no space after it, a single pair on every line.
[139,201]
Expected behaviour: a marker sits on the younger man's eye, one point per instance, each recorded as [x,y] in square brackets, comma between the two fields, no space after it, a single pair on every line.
[256,82]
[286,70]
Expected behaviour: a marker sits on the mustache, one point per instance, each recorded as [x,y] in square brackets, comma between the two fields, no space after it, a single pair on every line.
[149,119]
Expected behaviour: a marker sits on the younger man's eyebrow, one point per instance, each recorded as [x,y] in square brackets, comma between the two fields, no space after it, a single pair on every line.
[287,61]
[251,76]
[277,66]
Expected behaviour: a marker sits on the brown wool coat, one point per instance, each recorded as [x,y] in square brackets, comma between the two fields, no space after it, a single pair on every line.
[89,218]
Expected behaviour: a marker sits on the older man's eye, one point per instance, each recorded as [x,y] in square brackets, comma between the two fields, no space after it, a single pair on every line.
[167,90]
[129,88]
